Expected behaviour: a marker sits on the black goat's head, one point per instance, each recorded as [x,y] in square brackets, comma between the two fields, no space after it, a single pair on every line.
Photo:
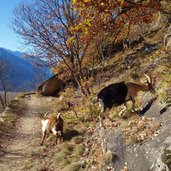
[150,83]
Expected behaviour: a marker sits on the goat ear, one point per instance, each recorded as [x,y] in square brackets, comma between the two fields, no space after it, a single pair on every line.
[46,113]
[40,114]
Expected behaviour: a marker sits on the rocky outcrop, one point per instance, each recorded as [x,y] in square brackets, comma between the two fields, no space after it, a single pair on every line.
[52,86]
[154,154]
[167,39]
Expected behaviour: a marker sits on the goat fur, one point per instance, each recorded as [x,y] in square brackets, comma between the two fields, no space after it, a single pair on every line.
[52,124]
[119,93]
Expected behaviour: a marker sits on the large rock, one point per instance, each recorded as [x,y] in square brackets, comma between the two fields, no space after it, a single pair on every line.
[152,155]
[52,86]
[167,39]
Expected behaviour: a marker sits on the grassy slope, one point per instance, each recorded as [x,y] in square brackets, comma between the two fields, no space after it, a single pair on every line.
[81,149]
[130,66]
[9,121]
[82,116]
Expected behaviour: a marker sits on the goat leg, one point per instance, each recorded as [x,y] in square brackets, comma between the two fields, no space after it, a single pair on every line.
[123,110]
[62,136]
[108,117]
[43,137]
[106,114]
[101,121]
[56,138]
[133,105]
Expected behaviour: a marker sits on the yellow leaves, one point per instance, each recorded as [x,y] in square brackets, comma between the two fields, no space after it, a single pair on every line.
[72,29]
[87,22]
[121,2]
[81,27]
[85,26]
[145,2]
[80,4]
[74,1]
[97,16]
[70,40]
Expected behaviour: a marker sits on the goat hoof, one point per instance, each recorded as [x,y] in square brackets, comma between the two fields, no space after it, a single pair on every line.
[120,114]
[104,127]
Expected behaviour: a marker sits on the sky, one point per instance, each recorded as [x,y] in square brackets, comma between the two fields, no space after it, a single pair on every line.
[8,38]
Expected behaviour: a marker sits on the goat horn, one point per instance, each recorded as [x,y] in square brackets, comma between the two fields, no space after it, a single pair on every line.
[46,113]
[148,78]
[58,115]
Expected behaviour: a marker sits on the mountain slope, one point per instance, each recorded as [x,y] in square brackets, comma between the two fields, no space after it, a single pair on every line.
[19,72]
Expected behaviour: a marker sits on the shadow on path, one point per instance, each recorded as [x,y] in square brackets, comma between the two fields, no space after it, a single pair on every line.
[68,135]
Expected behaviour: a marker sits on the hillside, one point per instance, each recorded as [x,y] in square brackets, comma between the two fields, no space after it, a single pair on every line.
[19,71]
[134,141]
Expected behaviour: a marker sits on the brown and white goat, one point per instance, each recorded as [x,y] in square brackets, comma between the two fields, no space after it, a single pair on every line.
[119,93]
[52,124]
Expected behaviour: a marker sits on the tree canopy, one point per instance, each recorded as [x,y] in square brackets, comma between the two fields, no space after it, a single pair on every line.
[45,26]
[63,33]
[112,15]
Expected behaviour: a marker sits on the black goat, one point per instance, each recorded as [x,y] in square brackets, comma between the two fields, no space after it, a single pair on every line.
[119,93]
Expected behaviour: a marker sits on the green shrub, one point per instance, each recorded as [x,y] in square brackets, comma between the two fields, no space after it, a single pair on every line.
[60,159]
[78,151]
[77,139]
[73,167]
[66,148]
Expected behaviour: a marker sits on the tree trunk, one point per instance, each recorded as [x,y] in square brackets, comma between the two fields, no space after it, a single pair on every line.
[78,80]
[2,102]
[5,98]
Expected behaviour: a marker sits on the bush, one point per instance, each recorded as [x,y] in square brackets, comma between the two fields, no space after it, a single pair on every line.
[60,159]
[73,167]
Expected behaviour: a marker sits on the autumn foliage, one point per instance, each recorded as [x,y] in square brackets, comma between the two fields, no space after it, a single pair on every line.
[70,35]
[112,15]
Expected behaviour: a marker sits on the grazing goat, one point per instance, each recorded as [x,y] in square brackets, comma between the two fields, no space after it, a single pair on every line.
[119,93]
[52,124]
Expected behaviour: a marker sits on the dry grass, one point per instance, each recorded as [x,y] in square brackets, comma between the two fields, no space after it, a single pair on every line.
[67,154]
[76,166]
[84,112]
[78,151]
[8,121]
[139,130]
[10,96]
[81,117]
[77,139]
[60,159]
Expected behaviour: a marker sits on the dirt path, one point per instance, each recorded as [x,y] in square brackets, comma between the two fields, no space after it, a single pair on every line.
[27,133]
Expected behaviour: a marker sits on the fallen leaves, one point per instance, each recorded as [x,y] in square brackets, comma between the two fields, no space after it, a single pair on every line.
[139,130]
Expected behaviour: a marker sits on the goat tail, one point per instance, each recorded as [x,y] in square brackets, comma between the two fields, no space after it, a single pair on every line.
[95,100]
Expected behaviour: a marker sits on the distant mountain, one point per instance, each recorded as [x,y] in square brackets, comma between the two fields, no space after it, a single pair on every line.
[16,53]
[20,73]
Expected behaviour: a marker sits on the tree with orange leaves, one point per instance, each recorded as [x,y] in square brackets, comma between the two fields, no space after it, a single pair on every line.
[45,25]
[112,15]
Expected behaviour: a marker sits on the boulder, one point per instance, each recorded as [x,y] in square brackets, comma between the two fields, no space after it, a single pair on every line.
[167,39]
[154,154]
[52,86]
